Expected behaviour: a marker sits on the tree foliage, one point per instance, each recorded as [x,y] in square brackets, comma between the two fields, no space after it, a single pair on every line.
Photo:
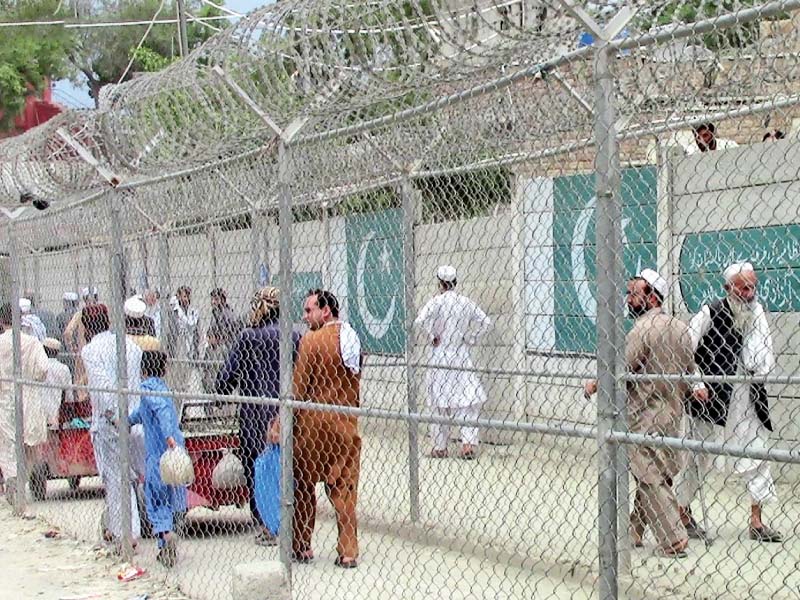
[691,11]
[102,55]
[29,56]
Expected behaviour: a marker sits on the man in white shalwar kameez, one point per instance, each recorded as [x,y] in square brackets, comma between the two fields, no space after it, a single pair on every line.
[34,367]
[30,321]
[732,337]
[453,323]
[59,379]
[100,360]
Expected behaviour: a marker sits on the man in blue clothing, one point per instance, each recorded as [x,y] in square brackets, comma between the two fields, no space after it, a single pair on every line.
[157,415]
[254,367]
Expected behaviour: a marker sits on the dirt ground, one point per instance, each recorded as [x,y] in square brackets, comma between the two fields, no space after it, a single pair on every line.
[36,567]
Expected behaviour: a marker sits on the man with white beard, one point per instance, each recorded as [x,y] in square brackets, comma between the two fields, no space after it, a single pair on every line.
[731,336]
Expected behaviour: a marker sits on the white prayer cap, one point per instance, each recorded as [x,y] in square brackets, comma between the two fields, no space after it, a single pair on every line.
[85,292]
[446,273]
[52,343]
[736,268]
[135,307]
[70,296]
[655,281]
[25,305]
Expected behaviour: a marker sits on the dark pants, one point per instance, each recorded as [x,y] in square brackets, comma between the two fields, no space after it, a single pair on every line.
[253,426]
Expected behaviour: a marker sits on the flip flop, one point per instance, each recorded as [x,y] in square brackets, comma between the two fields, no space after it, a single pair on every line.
[302,558]
[346,563]
[671,553]
[765,534]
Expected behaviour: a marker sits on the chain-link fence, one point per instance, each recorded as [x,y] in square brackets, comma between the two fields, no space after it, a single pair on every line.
[469,187]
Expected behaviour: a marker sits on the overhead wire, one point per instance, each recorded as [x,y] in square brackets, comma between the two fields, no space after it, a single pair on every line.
[141,42]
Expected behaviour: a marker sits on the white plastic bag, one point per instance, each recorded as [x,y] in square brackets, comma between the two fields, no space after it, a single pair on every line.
[229,472]
[176,467]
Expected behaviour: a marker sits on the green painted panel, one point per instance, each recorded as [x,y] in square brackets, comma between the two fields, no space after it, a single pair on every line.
[575,249]
[376,307]
[302,282]
[774,252]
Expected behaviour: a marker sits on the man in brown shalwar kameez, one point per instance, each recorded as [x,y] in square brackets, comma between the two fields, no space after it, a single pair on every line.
[657,344]
[327,446]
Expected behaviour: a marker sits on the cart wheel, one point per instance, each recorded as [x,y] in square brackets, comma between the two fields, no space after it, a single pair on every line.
[74,483]
[38,482]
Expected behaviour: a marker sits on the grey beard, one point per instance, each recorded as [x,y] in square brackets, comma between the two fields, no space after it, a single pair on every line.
[742,313]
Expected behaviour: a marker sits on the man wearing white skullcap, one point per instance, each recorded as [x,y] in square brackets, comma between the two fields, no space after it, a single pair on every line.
[70,305]
[75,339]
[731,336]
[657,344]
[453,323]
[31,322]
[34,366]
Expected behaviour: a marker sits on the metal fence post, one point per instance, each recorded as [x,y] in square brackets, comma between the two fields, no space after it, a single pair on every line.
[211,235]
[409,198]
[608,317]
[37,281]
[286,351]
[16,322]
[116,278]
[144,257]
[91,280]
[255,246]
[76,272]
[326,237]
[164,285]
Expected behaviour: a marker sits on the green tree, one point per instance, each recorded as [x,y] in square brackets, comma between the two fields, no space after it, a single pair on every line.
[102,55]
[690,11]
[29,56]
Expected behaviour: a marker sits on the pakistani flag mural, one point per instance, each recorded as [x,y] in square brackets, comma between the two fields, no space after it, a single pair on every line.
[560,254]
[375,280]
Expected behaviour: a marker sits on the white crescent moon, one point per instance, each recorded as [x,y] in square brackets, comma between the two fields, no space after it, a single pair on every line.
[579,276]
[377,328]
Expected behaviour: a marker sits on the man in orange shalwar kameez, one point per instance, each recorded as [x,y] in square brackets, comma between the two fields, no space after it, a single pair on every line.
[327,446]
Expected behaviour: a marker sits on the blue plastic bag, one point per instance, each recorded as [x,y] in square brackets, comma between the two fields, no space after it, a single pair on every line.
[268,487]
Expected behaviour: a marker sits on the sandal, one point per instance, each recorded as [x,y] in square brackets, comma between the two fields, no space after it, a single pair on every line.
[266,540]
[438,454]
[302,558]
[694,531]
[636,531]
[168,555]
[345,562]
[674,551]
[765,534]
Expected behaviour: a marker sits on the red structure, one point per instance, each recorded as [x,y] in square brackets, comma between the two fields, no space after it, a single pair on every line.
[36,111]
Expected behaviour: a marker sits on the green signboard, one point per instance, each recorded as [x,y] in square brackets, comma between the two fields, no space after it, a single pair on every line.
[302,282]
[774,252]
[375,280]
[574,204]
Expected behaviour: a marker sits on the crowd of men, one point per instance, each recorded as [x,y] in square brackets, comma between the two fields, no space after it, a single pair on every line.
[242,356]
[729,336]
